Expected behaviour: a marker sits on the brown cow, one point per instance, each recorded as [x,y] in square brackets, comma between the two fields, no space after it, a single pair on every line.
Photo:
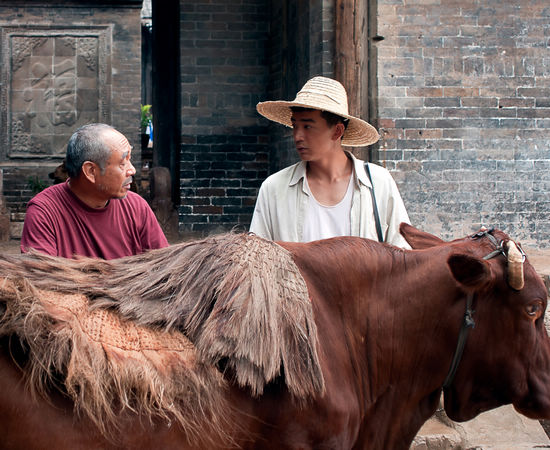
[387,325]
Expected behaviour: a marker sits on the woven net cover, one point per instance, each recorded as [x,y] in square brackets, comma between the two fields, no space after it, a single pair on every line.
[275,264]
[241,301]
[115,334]
[110,365]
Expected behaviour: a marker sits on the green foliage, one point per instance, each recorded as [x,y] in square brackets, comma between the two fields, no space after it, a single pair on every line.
[146,116]
[36,185]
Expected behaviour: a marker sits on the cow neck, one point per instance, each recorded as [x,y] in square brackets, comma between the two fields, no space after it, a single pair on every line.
[468,320]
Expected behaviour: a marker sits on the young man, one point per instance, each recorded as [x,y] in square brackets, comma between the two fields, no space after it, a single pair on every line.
[328,193]
[93,213]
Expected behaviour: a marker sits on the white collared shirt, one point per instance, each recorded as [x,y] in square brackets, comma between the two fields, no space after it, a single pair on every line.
[282,204]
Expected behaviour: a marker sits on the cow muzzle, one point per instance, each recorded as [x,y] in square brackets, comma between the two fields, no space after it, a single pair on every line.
[515,266]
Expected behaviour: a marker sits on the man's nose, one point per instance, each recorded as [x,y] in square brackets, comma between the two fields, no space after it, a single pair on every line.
[298,135]
[131,170]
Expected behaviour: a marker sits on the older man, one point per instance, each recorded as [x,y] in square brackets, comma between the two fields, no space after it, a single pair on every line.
[93,213]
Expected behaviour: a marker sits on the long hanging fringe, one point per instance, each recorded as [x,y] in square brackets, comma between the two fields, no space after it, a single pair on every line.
[240,300]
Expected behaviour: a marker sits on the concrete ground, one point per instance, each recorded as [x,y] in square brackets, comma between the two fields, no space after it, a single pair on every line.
[9,247]
[540,259]
[498,429]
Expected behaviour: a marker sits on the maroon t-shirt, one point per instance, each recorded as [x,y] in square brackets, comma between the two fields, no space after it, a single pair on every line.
[58,223]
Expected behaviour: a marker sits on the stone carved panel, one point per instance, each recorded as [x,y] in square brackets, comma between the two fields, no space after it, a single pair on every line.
[53,81]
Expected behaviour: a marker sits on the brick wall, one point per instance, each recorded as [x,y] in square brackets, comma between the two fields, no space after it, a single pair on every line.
[224,143]
[464,113]
[233,55]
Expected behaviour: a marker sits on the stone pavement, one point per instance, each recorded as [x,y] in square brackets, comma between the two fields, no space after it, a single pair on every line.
[498,429]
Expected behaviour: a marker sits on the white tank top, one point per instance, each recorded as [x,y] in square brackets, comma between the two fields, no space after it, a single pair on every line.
[322,222]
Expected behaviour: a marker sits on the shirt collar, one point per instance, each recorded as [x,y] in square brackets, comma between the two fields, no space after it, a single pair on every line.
[360,173]
[299,173]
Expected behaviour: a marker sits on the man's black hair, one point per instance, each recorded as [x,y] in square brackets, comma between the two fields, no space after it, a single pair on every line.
[331,118]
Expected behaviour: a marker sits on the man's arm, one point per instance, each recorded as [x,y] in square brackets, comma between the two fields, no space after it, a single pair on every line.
[151,235]
[261,224]
[38,232]
[395,214]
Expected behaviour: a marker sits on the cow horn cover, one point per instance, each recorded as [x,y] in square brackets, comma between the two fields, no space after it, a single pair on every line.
[515,266]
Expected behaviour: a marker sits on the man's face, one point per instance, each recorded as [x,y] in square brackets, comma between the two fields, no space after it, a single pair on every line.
[115,181]
[313,137]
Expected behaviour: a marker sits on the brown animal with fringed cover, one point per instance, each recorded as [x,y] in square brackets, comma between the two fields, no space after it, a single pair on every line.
[237,342]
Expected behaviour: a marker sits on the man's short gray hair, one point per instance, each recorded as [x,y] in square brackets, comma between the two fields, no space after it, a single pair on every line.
[87,144]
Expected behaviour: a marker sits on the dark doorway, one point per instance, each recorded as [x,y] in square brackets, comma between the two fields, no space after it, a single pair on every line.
[166,89]
[146,63]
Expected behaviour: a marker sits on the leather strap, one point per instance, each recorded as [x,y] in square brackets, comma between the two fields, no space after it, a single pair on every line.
[374,206]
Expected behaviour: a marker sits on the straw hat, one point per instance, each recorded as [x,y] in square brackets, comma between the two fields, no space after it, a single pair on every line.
[324,94]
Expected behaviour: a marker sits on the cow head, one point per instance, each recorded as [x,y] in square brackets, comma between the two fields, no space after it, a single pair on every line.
[506,358]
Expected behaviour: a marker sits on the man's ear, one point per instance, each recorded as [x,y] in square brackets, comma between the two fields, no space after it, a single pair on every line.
[339,130]
[90,170]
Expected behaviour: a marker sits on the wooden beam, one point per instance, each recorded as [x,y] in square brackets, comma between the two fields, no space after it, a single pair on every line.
[351,57]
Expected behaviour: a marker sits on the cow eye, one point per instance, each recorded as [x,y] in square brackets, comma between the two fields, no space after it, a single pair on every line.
[534,309]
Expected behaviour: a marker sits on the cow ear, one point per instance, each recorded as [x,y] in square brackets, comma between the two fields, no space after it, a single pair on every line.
[418,239]
[469,270]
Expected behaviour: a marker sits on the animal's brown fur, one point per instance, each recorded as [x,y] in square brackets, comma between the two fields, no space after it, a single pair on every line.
[110,365]
[237,297]
[59,174]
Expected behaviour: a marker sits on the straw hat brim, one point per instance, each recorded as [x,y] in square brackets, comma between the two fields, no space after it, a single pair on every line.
[358,132]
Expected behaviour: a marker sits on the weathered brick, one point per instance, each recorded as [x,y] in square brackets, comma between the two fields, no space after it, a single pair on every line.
[499,72]
[231,75]
[200,209]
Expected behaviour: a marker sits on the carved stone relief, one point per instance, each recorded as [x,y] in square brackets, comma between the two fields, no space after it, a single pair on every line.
[53,81]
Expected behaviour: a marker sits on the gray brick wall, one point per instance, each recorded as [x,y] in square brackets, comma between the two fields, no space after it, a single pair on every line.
[224,74]
[464,113]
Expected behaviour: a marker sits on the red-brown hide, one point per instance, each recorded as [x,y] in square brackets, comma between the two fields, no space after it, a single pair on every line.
[388,322]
